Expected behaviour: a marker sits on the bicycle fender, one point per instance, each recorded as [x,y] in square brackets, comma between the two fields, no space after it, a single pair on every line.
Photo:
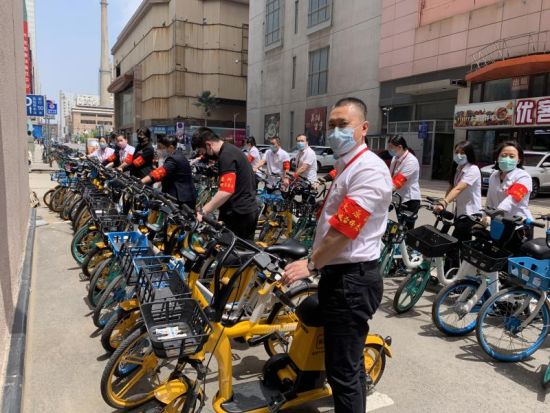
[170,391]
[378,340]
[129,305]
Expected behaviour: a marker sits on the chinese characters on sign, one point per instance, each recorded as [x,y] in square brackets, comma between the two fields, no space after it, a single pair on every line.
[532,112]
[315,125]
[35,105]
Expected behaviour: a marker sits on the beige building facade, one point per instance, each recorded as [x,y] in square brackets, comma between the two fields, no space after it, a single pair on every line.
[305,55]
[14,181]
[170,52]
[88,118]
[437,54]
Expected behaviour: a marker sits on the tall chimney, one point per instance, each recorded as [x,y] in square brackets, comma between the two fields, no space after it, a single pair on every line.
[105,67]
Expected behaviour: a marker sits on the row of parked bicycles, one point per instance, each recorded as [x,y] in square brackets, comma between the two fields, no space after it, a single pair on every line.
[171,296]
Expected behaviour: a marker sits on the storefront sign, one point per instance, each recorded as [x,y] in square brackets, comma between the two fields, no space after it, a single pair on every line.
[532,112]
[484,115]
[315,127]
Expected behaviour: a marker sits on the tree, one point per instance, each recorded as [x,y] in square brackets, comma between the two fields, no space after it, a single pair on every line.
[208,103]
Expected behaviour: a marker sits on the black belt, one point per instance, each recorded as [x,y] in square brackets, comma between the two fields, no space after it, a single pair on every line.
[366,265]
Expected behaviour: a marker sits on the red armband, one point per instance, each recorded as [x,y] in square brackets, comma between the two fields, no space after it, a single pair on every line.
[250,158]
[129,159]
[333,173]
[139,162]
[111,158]
[158,174]
[517,191]
[295,175]
[286,165]
[399,180]
[350,218]
[228,182]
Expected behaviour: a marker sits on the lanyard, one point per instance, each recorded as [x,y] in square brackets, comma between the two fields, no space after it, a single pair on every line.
[340,173]
[398,163]
[458,176]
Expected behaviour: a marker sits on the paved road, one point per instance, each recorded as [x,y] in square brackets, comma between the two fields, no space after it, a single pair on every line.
[429,373]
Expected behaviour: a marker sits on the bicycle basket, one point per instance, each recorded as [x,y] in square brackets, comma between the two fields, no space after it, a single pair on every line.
[177,327]
[110,222]
[130,239]
[156,283]
[429,241]
[127,258]
[484,255]
[533,273]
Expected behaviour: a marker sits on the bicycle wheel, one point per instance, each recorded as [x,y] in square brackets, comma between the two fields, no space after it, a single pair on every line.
[83,241]
[76,209]
[499,330]
[94,257]
[279,343]
[47,198]
[145,372]
[546,378]
[77,213]
[85,218]
[119,326]
[68,203]
[57,199]
[104,272]
[106,306]
[448,310]
[387,262]
[375,362]
[410,290]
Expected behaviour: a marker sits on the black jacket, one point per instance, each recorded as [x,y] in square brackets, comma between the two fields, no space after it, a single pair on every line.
[176,177]
[142,163]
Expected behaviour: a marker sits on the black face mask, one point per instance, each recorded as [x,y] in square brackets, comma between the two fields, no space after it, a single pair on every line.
[142,141]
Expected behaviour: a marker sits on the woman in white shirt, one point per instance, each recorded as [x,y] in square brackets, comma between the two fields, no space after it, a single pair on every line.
[465,191]
[510,186]
[405,173]
[103,153]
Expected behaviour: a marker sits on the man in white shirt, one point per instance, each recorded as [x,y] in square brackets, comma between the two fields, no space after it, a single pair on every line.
[346,250]
[277,161]
[306,160]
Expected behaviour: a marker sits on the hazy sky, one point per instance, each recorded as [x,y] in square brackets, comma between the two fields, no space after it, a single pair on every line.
[68,42]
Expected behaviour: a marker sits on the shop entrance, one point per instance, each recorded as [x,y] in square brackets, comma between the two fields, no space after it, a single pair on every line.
[442,154]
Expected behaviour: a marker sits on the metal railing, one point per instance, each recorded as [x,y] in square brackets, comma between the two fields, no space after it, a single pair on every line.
[502,49]
[439,126]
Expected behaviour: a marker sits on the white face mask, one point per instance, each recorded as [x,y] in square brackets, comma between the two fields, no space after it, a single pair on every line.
[460,159]
[341,140]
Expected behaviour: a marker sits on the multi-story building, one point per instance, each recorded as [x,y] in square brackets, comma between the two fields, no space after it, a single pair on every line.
[86,119]
[171,51]
[30,21]
[66,102]
[304,55]
[486,57]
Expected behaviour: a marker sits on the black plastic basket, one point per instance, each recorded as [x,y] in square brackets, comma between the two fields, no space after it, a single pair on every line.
[484,255]
[110,222]
[126,258]
[176,326]
[156,283]
[429,241]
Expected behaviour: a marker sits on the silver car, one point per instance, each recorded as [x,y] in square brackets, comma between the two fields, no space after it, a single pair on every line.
[325,157]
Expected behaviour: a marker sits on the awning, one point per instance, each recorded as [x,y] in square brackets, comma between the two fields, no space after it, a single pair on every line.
[121,83]
[518,66]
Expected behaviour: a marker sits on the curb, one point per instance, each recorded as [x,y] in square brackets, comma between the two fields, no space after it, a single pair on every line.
[13,386]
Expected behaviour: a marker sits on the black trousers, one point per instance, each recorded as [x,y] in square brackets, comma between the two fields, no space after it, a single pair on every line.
[243,225]
[413,205]
[349,295]
[463,232]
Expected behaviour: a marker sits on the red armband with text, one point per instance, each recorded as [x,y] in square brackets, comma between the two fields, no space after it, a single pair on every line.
[286,165]
[129,159]
[399,180]
[139,162]
[333,173]
[517,191]
[111,158]
[350,218]
[250,158]
[158,174]
[228,182]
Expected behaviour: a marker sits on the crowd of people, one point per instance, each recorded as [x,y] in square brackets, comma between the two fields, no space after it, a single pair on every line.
[352,219]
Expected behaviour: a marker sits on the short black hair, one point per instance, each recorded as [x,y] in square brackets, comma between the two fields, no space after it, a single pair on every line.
[145,132]
[203,135]
[276,138]
[358,103]
[469,150]
[251,140]
[169,140]
[399,140]
[504,145]
[301,134]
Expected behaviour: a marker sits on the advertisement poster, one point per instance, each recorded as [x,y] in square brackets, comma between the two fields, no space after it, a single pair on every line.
[315,125]
[271,126]
[484,115]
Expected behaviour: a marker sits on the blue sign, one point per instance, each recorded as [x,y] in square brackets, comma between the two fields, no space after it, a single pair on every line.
[37,132]
[35,105]
[163,130]
[423,130]
[51,108]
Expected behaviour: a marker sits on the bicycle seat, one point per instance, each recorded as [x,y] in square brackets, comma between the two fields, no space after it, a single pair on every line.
[290,249]
[536,248]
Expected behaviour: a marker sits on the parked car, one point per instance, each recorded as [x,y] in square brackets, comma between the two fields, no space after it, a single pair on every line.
[325,157]
[262,147]
[537,164]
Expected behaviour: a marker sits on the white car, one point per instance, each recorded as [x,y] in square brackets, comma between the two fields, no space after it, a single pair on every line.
[537,164]
[325,157]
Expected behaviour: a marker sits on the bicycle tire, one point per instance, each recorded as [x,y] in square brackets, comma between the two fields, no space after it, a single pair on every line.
[99,281]
[375,362]
[112,368]
[413,286]
[458,288]
[113,294]
[546,377]
[95,257]
[493,309]
[119,327]
[57,199]
[47,198]
[83,241]
[304,289]
[84,219]
[67,205]
[75,209]
[77,214]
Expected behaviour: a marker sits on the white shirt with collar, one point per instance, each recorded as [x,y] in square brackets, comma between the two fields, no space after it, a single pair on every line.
[367,184]
[124,153]
[254,157]
[309,158]
[468,202]
[275,161]
[405,172]
[499,197]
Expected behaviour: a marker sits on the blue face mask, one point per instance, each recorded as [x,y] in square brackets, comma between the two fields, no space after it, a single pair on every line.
[301,146]
[274,149]
[392,153]
[460,159]
[102,145]
[507,164]
[341,140]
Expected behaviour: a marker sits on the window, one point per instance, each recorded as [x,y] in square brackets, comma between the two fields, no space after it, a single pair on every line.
[319,12]
[500,89]
[318,72]
[476,92]
[291,131]
[538,86]
[272,22]
[293,72]
[296,10]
